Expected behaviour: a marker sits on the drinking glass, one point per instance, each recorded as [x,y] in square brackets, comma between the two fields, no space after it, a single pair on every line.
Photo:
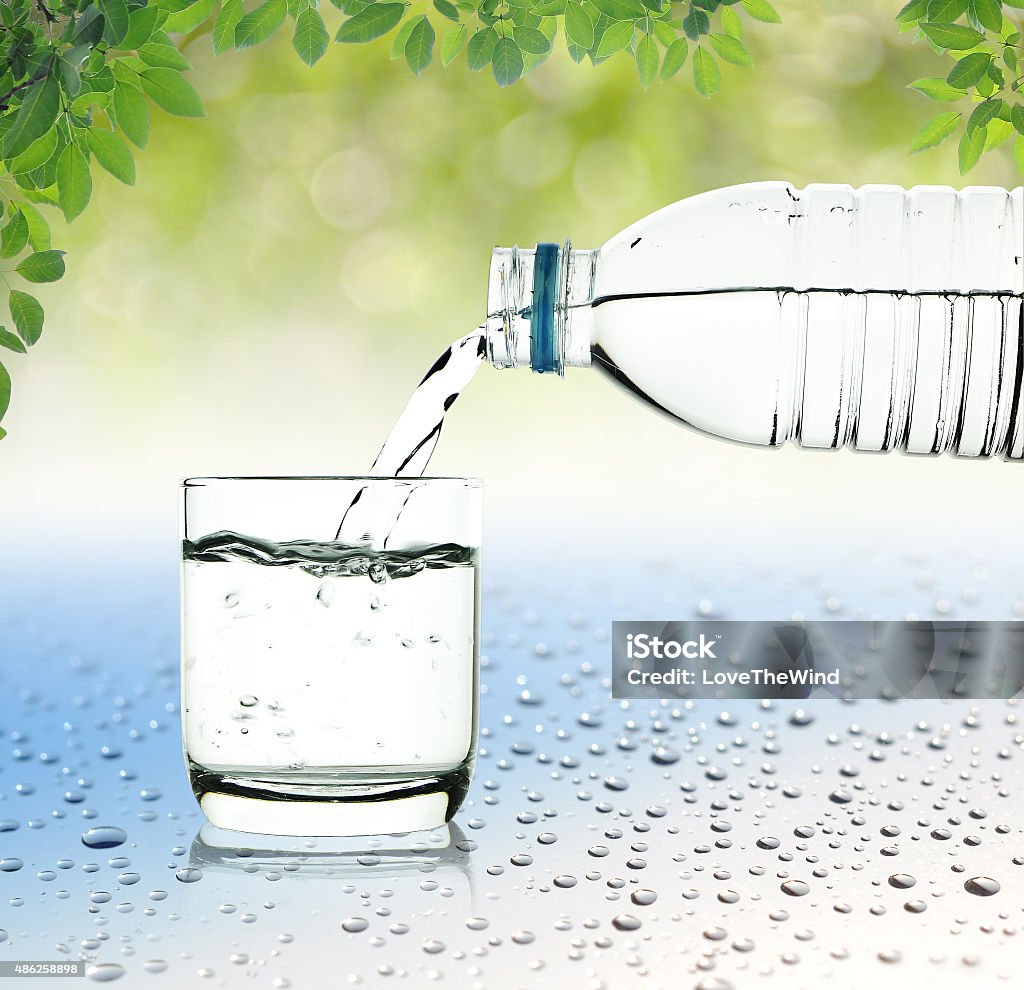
[329,683]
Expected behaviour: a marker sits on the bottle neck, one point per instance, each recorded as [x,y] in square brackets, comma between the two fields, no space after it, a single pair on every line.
[538,307]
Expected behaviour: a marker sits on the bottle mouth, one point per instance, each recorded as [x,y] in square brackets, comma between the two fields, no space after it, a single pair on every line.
[526,307]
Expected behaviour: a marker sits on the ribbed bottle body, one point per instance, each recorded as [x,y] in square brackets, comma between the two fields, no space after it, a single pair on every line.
[874,318]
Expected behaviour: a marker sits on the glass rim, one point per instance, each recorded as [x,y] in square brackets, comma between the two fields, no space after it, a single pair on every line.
[217,480]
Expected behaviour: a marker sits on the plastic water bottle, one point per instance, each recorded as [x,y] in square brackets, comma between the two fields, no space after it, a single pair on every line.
[875,318]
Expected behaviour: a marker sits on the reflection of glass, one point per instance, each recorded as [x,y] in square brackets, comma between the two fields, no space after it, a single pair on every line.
[228,860]
[442,850]
[329,688]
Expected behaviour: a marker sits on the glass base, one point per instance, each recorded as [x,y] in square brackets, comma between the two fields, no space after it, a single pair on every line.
[329,802]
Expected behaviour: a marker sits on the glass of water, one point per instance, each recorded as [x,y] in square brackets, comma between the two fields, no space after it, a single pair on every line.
[329,651]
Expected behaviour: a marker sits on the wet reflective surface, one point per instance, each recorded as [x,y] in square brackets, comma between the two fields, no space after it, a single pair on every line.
[604,844]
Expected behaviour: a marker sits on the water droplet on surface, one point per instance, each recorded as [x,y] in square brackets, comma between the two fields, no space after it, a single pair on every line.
[188,874]
[105,972]
[795,888]
[564,881]
[902,881]
[982,886]
[248,701]
[104,837]
[355,925]
[625,923]
[11,864]
[643,897]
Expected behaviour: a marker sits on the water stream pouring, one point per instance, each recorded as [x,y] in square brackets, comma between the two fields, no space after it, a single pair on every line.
[875,318]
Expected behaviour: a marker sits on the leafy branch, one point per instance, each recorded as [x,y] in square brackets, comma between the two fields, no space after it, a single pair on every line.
[987,45]
[514,36]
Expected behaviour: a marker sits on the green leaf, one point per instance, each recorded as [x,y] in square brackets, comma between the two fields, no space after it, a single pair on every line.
[14,235]
[1017,117]
[131,114]
[419,49]
[43,266]
[481,48]
[311,38]
[259,24]
[935,131]
[971,147]
[115,20]
[231,12]
[398,43]
[372,22]
[696,23]
[183,21]
[731,50]
[946,11]
[912,11]
[989,13]
[27,314]
[506,62]
[5,394]
[113,154]
[731,23]
[38,228]
[954,37]
[12,343]
[141,25]
[620,10]
[166,56]
[447,9]
[706,75]
[674,58]
[36,154]
[548,8]
[761,10]
[997,132]
[452,44]
[969,70]
[579,28]
[74,182]
[647,60]
[938,89]
[616,37]
[172,92]
[39,107]
[983,113]
[531,41]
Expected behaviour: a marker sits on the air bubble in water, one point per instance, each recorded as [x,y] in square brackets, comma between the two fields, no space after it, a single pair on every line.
[104,837]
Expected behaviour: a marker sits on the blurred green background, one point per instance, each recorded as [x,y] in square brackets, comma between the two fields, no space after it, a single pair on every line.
[283,272]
